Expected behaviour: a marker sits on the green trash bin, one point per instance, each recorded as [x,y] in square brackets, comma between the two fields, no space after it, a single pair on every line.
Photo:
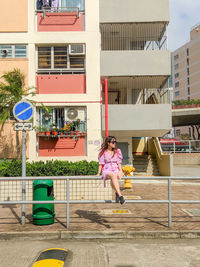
[43,214]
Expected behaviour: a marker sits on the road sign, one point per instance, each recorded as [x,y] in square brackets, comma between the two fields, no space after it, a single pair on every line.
[23,111]
[26,126]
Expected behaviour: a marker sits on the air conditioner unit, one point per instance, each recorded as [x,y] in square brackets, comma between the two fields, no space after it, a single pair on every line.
[4,52]
[77,49]
[73,113]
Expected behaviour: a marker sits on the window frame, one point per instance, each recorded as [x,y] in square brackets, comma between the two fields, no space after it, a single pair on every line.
[13,51]
[68,68]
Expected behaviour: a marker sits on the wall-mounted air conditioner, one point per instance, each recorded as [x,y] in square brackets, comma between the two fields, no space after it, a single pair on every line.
[4,52]
[77,49]
[73,113]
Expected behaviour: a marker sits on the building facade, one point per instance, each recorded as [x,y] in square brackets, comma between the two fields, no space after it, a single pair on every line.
[186,72]
[66,47]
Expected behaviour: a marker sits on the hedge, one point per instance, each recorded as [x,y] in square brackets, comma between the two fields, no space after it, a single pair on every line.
[185,102]
[13,168]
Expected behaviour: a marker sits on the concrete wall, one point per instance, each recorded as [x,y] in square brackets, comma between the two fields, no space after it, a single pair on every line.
[186,159]
[133,63]
[165,162]
[138,117]
[12,63]
[8,148]
[14,16]
[61,84]
[117,11]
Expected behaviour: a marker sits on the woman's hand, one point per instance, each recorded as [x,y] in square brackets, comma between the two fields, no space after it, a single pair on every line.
[98,174]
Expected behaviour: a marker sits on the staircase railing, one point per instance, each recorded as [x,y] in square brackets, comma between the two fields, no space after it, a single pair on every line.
[165,162]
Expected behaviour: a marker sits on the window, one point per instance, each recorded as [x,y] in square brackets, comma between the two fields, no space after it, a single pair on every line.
[188,80]
[178,132]
[188,89]
[76,62]
[13,51]
[188,71]
[177,93]
[176,84]
[176,57]
[188,61]
[44,57]
[187,51]
[73,3]
[59,57]
[58,117]
[176,75]
[176,66]
[55,4]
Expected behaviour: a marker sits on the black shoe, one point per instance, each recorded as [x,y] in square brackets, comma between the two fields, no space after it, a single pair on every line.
[116,198]
[122,200]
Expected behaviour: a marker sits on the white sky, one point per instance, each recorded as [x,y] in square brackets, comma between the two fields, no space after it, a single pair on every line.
[183,15]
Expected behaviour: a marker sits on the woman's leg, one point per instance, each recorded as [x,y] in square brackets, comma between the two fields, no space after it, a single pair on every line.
[115,183]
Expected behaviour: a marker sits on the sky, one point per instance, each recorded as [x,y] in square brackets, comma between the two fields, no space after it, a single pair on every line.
[184,14]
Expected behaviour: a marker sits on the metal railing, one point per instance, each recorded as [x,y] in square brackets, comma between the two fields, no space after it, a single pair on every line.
[180,146]
[66,198]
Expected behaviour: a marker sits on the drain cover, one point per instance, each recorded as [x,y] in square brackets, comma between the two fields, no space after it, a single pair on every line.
[192,212]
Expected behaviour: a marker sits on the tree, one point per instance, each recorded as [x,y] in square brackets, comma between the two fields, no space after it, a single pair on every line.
[12,90]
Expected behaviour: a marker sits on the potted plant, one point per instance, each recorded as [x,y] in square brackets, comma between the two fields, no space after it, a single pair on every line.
[76,124]
[40,130]
[54,129]
[61,131]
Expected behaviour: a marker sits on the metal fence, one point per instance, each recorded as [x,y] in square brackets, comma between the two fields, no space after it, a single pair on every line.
[11,192]
[180,146]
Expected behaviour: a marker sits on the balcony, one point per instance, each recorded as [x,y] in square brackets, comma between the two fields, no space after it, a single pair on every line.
[61,84]
[117,11]
[60,15]
[138,120]
[135,63]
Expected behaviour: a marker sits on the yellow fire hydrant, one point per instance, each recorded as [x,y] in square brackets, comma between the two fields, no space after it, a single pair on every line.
[127,170]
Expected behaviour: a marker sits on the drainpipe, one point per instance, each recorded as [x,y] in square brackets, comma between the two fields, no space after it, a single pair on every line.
[106,106]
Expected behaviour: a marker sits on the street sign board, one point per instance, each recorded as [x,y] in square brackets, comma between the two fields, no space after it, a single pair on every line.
[23,111]
[26,126]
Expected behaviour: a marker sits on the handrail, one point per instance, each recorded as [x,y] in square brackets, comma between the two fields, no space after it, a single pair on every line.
[49,9]
[157,150]
[168,201]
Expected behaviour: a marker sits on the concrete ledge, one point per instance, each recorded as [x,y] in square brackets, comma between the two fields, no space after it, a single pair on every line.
[100,235]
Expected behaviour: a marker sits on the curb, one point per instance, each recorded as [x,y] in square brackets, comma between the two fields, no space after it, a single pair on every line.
[99,235]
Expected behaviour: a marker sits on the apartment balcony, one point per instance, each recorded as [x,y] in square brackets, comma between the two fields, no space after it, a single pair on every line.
[61,84]
[135,63]
[138,120]
[60,19]
[117,11]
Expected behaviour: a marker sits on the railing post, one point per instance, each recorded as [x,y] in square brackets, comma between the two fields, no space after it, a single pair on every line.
[189,146]
[23,207]
[174,147]
[170,202]
[67,205]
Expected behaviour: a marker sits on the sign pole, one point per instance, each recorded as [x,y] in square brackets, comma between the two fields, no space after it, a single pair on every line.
[23,112]
[23,175]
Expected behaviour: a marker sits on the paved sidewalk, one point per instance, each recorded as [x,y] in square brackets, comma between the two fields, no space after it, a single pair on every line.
[95,217]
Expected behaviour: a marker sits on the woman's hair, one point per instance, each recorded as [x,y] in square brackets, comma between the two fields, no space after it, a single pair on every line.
[104,146]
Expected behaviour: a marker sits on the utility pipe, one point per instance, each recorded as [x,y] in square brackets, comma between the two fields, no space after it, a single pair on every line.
[106,105]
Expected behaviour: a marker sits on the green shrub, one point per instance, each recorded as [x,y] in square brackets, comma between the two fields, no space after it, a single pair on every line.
[13,168]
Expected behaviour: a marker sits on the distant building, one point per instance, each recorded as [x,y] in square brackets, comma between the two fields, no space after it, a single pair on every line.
[186,72]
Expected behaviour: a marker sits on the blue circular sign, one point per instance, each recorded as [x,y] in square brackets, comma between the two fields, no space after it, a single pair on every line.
[23,111]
